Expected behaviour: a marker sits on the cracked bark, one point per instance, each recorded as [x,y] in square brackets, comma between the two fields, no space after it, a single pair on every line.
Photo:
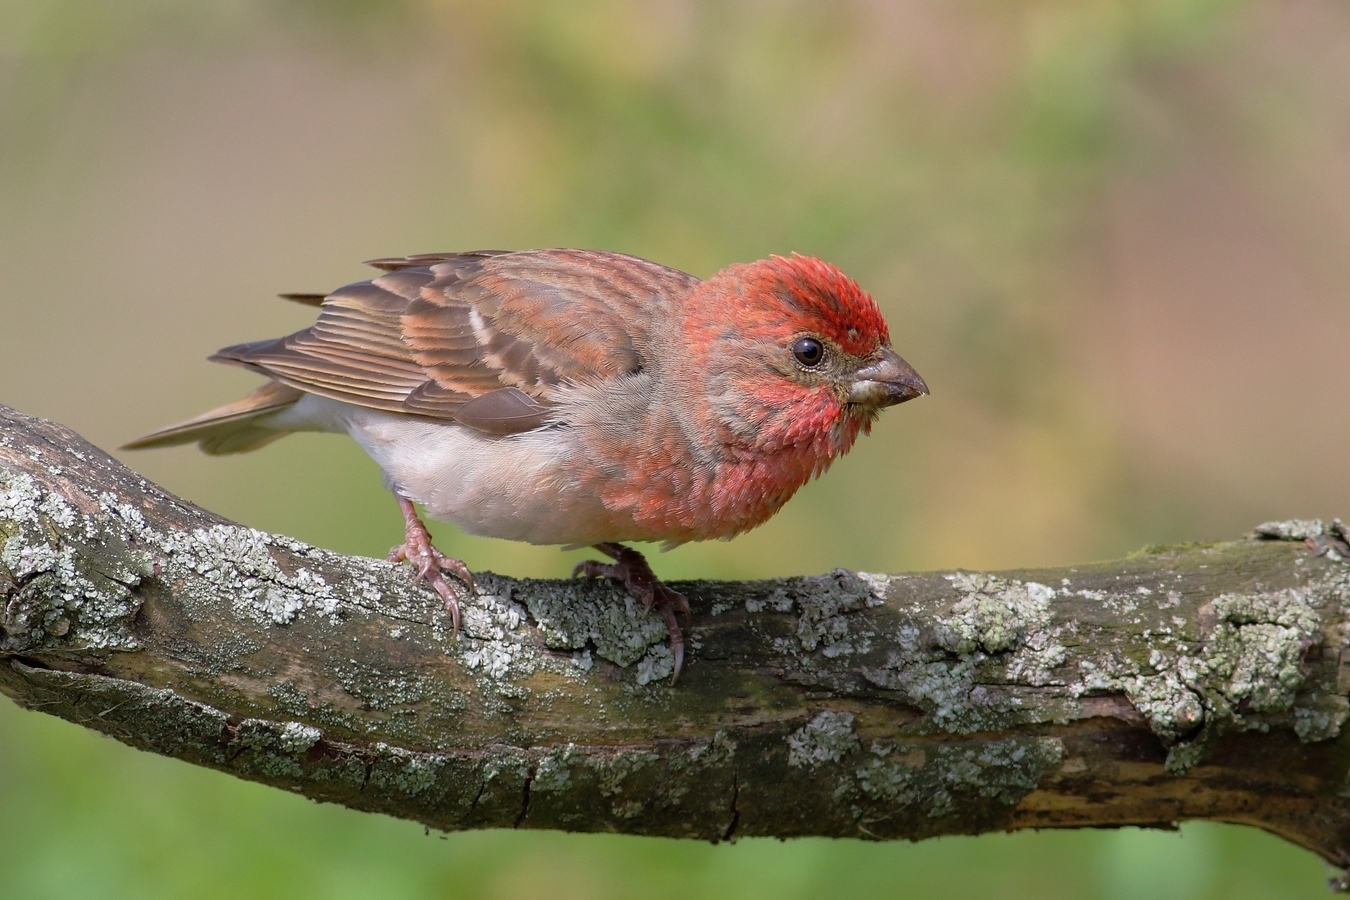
[1196,682]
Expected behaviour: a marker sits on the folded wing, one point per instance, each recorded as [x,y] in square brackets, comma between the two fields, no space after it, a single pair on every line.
[484,338]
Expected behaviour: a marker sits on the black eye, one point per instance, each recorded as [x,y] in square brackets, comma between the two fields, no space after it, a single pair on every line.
[808,351]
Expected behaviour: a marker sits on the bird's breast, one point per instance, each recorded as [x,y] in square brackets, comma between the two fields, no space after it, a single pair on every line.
[585,482]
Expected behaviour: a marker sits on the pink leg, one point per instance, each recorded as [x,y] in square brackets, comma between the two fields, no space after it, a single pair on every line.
[416,549]
[630,570]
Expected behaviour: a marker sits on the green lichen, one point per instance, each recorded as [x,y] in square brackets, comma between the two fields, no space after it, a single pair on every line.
[994,613]
[1255,653]
[940,780]
[403,773]
[1320,715]
[1250,662]
[996,639]
[554,772]
[1169,700]
[273,750]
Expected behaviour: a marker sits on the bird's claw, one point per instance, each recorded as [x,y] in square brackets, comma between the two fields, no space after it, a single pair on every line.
[431,563]
[631,571]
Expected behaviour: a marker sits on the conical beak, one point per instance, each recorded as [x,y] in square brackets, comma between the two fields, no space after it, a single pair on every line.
[886,381]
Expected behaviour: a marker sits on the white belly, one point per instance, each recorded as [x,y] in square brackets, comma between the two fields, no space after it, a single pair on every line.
[512,486]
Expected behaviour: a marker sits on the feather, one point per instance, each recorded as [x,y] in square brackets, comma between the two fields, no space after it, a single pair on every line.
[503,411]
[483,339]
[232,428]
[306,299]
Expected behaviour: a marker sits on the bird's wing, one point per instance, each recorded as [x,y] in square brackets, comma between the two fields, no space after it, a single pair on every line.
[481,338]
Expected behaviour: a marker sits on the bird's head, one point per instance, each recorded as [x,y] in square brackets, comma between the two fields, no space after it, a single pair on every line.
[793,355]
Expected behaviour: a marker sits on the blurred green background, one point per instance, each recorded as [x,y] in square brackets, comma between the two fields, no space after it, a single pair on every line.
[1111,235]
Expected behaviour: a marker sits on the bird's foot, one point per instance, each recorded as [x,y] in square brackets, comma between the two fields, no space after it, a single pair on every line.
[630,570]
[430,562]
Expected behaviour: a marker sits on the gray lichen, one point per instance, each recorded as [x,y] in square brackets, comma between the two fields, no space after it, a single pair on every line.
[1251,660]
[1291,529]
[72,576]
[238,562]
[54,599]
[1231,664]
[403,773]
[274,750]
[824,603]
[1331,540]
[494,637]
[993,613]
[998,615]
[998,638]
[657,663]
[55,570]
[939,685]
[342,679]
[938,780]
[827,738]
[597,615]
[553,772]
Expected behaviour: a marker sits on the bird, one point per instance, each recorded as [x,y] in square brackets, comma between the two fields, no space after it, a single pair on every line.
[575,397]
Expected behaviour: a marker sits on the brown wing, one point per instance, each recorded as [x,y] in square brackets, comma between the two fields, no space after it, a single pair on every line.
[482,338]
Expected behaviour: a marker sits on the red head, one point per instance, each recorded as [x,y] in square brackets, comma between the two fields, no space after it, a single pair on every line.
[794,360]
[779,345]
[782,295]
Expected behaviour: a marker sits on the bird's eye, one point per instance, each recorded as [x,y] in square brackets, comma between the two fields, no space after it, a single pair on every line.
[808,351]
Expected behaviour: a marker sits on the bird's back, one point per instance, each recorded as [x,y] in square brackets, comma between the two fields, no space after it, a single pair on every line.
[483,339]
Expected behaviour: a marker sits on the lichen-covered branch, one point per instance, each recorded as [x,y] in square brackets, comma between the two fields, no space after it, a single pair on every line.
[1205,682]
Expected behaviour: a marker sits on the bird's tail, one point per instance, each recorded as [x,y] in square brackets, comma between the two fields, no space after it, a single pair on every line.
[232,428]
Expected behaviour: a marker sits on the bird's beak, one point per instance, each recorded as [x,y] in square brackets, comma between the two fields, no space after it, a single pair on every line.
[886,381]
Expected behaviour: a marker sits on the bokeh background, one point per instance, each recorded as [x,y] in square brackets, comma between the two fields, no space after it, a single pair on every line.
[1113,236]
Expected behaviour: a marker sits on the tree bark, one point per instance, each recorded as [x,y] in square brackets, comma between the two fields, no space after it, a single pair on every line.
[1195,682]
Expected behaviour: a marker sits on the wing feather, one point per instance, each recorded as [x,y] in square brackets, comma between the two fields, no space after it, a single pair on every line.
[482,338]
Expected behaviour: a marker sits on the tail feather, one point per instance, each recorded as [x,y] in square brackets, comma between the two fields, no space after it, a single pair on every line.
[306,299]
[232,428]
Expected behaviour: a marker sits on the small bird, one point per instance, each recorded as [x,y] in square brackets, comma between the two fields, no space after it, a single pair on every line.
[576,397]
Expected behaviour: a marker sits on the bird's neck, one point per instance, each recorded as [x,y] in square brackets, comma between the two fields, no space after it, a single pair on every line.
[752,483]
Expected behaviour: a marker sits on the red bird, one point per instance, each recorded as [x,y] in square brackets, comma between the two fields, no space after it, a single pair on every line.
[576,397]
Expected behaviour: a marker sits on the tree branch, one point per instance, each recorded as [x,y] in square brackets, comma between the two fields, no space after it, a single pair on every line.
[1203,682]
